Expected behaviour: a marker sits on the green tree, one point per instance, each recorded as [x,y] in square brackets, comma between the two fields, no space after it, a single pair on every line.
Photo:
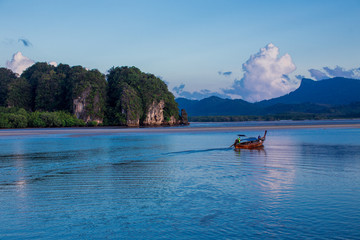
[19,94]
[33,75]
[13,118]
[49,91]
[6,77]
[66,103]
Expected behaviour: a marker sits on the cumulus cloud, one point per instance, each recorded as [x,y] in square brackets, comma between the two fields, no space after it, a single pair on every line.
[204,93]
[19,63]
[335,72]
[53,63]
[265,76]
[26,42]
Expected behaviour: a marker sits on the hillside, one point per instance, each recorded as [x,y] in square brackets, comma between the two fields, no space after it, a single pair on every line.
[312,97]
[334,91]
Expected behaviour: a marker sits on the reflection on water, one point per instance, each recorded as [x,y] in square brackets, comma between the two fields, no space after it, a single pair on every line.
[302,184]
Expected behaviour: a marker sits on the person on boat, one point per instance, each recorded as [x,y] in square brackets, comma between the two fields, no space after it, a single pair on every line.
[237,141]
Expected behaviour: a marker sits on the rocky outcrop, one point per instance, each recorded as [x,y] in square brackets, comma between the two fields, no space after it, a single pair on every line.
[85,108]
[132,122]
[79,105]
[172,121]
[155,114]
[184,118]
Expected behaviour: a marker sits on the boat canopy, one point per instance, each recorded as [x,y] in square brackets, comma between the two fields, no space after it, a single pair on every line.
[249,139]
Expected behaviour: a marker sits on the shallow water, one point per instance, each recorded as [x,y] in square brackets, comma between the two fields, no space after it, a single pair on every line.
[304,183]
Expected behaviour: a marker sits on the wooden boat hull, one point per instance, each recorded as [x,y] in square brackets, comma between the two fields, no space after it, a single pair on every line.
[249,145]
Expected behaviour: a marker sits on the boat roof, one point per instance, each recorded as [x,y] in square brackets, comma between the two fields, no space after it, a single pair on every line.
[249,139]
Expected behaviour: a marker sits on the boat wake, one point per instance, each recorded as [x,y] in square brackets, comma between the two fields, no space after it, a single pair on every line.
[198,151]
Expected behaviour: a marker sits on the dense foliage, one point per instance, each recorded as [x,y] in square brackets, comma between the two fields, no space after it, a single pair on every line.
[19,94]
[55,88]
[45,88]
[6,77]
[131,92]
[19,118]
[45,96]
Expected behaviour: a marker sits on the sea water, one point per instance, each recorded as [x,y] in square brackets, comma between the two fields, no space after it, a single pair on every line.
[304,184]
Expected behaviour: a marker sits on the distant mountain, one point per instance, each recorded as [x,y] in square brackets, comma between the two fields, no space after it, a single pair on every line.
[334,91]
[215,106]
[310,97]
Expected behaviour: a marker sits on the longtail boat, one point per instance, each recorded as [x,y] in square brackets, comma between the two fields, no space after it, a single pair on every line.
[249,143]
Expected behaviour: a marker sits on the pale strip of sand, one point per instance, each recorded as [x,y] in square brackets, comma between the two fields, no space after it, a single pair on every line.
[107,130]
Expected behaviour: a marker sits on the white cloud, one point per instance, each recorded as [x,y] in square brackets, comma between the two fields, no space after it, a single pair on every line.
[19,63]
[265,76]
[53,63]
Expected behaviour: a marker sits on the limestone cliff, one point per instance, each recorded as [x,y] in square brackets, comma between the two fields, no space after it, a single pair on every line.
[155,114]
[130,105]
[86,107]
[172,121]
[88,95]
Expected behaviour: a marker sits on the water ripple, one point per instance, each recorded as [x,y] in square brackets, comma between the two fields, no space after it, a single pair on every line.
[173,186]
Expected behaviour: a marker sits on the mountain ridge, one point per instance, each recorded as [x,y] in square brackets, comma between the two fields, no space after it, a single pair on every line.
[310,97]
[334,91]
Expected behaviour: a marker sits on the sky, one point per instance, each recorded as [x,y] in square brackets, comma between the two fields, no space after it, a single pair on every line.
[252,50]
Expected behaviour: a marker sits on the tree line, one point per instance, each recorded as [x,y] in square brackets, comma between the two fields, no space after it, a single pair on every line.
[347,111]
[19,118]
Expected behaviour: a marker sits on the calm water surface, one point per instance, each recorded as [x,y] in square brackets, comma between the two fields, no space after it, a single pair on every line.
[304,184]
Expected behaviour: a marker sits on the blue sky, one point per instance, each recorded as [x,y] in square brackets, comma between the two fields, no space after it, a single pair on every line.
[190,44]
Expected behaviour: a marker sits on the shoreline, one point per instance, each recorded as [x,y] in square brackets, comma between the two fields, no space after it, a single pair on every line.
[185,129]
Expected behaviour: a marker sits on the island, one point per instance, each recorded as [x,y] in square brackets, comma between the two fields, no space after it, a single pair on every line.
[63,96]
